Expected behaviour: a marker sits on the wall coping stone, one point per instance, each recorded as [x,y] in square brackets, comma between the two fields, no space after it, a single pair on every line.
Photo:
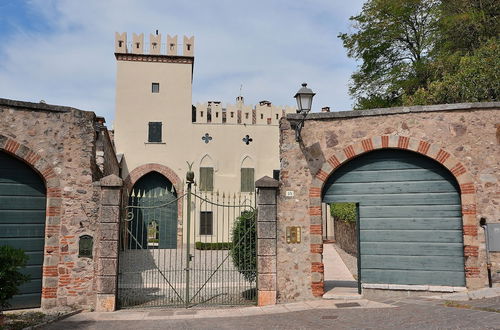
[266,182]
[38,106]
[111,180]
[395,110]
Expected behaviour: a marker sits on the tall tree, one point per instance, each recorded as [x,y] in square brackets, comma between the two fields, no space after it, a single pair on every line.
[394,40]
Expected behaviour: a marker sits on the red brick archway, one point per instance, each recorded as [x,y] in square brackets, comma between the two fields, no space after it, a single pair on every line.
[50,276]
[167,172]
[431,150]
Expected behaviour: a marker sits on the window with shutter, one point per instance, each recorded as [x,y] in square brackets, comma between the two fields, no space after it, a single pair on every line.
[247,180]
[206,178]
[206,223]
[154,134]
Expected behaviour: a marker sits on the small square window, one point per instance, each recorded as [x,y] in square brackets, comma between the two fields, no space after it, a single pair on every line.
[155,87]
[154,133]
[206,223]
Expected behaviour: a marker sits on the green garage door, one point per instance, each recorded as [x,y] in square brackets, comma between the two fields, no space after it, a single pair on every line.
[22,222]
[410,217]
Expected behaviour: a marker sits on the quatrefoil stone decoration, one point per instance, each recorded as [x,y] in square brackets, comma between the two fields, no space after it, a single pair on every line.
[247,139]
[207,138]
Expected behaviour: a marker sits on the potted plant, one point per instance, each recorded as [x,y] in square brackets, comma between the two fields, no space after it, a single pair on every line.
[11,261]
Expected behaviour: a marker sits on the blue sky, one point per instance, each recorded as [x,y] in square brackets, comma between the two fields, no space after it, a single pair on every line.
[61,51]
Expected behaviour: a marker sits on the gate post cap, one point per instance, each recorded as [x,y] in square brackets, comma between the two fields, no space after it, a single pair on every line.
[266,182]
[111,180]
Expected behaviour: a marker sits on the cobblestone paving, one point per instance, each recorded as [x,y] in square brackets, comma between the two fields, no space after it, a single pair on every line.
[406,314]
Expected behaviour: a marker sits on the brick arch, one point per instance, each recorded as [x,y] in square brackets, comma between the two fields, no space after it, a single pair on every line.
[142,170]
[53,213]
[167,172]
[425,148]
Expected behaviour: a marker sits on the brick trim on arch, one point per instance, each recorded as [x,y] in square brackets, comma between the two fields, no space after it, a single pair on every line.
[431,150]
[167,172]
[50,277]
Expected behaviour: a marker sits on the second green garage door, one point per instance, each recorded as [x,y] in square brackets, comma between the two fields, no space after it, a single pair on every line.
[410,217]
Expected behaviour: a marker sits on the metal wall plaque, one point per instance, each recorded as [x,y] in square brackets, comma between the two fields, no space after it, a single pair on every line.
[85,245]
[493,231]
[293,234]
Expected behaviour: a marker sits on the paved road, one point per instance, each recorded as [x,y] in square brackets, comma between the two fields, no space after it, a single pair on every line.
[413,313]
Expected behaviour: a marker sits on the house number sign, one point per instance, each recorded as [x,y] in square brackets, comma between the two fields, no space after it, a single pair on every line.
[293,234]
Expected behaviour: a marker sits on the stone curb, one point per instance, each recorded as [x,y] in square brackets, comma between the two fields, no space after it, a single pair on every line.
[58,318]
[470,295]
[175,314]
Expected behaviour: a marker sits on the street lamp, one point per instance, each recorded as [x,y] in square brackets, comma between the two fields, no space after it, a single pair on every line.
[304,97]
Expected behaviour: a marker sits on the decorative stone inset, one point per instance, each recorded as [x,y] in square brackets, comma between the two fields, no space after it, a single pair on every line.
[207,138]
[247,139]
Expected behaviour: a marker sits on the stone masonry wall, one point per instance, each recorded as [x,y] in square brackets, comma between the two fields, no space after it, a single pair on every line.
[59,143]
[463,137]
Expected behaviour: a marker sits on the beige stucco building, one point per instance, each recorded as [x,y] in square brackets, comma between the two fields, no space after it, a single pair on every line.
[157,128]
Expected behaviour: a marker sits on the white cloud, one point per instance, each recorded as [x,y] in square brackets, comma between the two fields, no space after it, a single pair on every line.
[268,46]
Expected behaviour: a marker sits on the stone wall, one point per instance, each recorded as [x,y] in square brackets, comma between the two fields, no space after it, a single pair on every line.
[60,144]
[463,137]
[346,236]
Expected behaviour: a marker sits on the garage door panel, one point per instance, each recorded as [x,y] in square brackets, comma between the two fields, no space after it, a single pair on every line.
[453,223]
[420,174]
[445,263]
[22,203]
[33,286]
[20,189]
[412,248]
[392,188]
[428,211]
[385,161]
[402,199]
[27,244]
[35,258]
[19,174]
[25,301]
[34,271]
[388,235]
[413,277]
[22,216]
[22,230]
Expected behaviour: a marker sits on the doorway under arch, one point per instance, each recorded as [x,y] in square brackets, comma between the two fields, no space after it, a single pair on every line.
[410,217]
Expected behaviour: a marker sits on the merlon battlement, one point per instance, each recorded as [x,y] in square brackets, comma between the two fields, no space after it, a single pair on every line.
[155,46]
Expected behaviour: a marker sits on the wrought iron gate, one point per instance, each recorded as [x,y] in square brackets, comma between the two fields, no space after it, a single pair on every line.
[210,259]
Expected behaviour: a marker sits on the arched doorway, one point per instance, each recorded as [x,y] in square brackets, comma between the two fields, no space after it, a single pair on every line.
[410,221]
[22,222]
[153,226]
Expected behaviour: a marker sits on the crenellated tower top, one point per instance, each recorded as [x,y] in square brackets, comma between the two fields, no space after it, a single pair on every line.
[155,47]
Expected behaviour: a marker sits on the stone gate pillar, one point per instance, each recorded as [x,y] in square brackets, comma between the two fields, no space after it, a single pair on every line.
[266,240]
[107,243]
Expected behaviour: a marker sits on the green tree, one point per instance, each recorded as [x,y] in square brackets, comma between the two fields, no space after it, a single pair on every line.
[476,79]
[244,247]
[393,40]
[424,52]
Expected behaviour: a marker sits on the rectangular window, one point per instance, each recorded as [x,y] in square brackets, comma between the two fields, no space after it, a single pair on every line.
[206,178]
[206,223]
[155,87]
[247,180]
[276,175]
[261,116]
[232,114]
[246,115]
[277,116]
[154,134]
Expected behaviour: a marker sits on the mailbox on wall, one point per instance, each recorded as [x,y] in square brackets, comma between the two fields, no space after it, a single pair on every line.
[493,232]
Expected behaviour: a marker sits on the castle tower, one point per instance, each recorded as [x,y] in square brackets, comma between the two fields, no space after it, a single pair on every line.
[153,96]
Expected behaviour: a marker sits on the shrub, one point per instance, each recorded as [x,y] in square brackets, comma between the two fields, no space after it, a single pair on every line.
[11,260]
[213,246]
[244,248]
[344,211]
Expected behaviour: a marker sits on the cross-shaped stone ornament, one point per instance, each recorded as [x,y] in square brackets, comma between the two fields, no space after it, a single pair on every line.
[207,138]
[247,139]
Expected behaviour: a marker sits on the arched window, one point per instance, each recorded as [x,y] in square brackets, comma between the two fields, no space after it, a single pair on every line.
[206,182]
[247,175]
